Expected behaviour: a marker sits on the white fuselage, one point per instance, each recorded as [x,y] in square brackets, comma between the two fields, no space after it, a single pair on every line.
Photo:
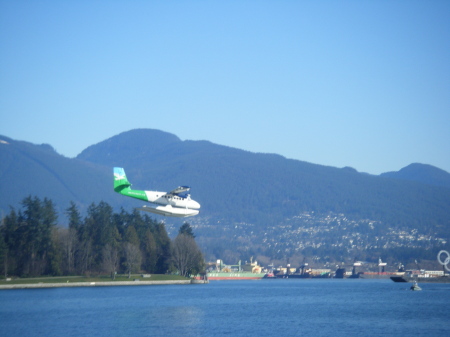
[163,199]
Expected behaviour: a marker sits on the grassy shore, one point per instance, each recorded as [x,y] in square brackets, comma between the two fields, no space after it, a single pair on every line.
[82,279]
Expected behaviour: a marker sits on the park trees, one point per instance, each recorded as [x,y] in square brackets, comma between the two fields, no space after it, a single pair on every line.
[102,241]
[132,253]
[186,256]
[28,236]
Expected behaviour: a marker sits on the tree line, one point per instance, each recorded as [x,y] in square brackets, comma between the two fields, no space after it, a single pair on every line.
[103,241]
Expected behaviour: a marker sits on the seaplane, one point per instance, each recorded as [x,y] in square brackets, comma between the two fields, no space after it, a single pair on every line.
[176,203]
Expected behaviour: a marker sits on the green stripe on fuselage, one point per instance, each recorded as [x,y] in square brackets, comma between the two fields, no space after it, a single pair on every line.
[133,193]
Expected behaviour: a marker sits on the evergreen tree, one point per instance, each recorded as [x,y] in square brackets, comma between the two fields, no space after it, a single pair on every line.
[11,238]
[99,229]
[186,229]
[38,221]
[149,250]
[50,243]
[55,255]
[74,216]
[131,236]
[3,253]
[163,248]
[133,257]
[32,236]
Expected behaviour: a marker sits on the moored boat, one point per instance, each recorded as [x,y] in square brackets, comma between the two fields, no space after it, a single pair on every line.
[243,275]
[248,271]
[428,276]
[435,279]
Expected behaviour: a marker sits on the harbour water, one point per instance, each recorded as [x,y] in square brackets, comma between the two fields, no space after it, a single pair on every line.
[328,307]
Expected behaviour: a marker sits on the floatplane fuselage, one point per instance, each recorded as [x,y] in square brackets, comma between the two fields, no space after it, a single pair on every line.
[175,203]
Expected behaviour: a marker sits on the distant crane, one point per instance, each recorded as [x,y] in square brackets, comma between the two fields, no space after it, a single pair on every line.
[381,266]
[356,264]
[303,266]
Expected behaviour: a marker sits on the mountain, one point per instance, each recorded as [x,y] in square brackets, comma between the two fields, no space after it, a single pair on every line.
[252,203]
[38,170]
[242,186]
[423,173]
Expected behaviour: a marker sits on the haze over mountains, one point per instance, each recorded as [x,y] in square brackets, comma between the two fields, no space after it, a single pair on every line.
[233,186]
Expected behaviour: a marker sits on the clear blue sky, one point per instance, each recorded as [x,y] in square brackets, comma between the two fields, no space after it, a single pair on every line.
[364,84]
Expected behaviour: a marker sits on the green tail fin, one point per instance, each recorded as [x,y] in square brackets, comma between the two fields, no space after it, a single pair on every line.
[120,179]
[122,185]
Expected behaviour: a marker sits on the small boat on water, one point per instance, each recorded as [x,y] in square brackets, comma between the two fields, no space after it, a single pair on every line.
[415,286]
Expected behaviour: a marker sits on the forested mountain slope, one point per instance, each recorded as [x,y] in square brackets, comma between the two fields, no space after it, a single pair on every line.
[252,203]
[237,185]
[28,169]
[423,173]
[231,184]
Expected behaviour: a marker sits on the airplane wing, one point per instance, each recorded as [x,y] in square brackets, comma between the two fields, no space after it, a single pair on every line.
[179,190]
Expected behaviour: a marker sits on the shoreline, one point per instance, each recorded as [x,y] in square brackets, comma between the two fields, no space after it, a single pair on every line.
[91,284]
